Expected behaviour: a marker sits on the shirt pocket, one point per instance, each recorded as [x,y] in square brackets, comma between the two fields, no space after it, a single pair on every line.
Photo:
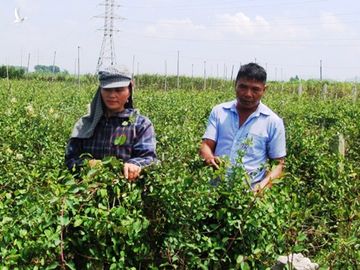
[121,136]
[121,142]
[257,146]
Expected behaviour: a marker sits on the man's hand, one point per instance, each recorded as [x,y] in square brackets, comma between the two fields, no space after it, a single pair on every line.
[213,161]
[131,171]
[258,188]
[207,150]
[275,173]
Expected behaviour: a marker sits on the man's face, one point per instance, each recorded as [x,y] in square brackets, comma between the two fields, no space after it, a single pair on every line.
[249,93]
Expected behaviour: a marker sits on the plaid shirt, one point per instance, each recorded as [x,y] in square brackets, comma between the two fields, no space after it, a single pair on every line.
[132,140]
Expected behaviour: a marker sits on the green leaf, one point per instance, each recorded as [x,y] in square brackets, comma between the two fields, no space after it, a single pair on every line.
[298,248]
[239,259]
[74,189]
[64,220]
[137,226]
[245,266]
[301,237]
[269,248]
[78,222]
[92,172]
[54,265]
[120,140]
[257,250]
[71,266]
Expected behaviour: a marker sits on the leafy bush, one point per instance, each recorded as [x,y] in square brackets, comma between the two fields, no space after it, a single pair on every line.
[173,217]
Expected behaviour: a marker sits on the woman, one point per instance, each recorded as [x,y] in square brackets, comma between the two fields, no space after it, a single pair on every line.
[113,128]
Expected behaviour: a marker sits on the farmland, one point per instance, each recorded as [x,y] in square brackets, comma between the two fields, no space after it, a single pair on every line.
[172,218]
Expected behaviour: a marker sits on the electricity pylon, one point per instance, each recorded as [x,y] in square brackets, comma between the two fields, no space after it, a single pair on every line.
[107,55]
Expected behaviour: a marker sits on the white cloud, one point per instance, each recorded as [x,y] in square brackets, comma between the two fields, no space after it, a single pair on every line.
[231,27]
[242,24]
[184,28]
[261,31]
[331,23]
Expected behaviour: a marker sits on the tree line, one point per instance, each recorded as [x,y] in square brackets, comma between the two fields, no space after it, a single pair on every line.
[17,72]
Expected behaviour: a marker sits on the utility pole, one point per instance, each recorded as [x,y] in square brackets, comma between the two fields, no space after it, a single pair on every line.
[165,86]
[178,70]
[7,72]
[133,67]
[53,66]
[192,76]
[204,75]
[7,77]
[28,64]
[138,73]
[78,66]
[38,57]
[320,70]
[21,59]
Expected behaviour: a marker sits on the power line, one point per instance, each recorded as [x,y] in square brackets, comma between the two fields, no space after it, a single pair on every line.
[222,4]
[250,42]
[253,24]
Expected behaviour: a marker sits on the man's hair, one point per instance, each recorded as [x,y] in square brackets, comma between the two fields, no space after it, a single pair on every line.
[252,71]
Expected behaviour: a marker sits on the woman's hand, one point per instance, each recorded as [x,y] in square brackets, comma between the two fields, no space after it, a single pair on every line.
[94,162]
[131,171]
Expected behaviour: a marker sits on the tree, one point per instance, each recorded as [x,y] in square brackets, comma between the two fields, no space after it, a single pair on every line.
[12,72]
[296,78]
[47,69]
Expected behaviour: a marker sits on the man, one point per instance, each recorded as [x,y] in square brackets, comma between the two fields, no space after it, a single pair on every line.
[246,125]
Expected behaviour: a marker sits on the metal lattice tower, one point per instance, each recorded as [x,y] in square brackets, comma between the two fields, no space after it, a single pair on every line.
[107,53]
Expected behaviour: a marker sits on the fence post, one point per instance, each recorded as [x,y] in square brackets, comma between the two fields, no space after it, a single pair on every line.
[300,89]
[178,71]
[165,84]
[204,75]
[325,91]
[354,93]
[338,147]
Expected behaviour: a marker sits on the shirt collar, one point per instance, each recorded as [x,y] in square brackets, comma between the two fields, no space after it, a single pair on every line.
[261,109]
[231,105]
[124,114]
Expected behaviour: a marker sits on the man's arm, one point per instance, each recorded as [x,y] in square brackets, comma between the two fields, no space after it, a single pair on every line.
[207,150]
[275,173]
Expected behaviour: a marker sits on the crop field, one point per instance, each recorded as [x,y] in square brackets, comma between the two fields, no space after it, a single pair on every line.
[172,218]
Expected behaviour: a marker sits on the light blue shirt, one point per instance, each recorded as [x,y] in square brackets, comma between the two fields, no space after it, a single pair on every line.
[261,137]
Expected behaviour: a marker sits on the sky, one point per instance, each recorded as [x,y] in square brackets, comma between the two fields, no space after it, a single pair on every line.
[203,37]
